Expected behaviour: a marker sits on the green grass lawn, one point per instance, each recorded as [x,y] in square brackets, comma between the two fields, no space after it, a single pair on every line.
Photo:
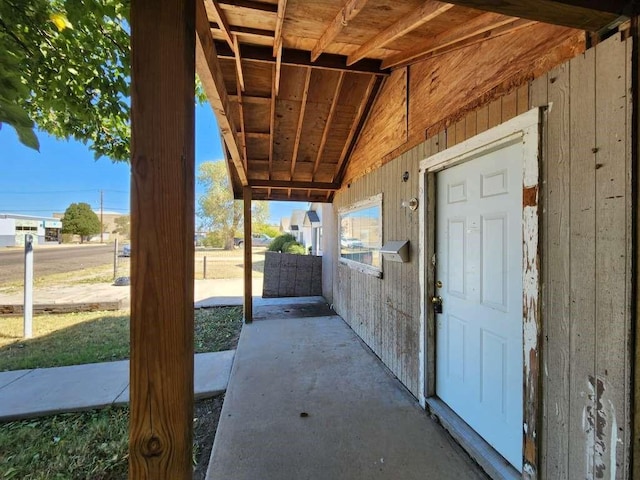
[93,445]
[90,337]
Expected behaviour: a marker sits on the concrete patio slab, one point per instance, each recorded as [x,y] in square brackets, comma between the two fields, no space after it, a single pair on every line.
[45,391]
[307,400]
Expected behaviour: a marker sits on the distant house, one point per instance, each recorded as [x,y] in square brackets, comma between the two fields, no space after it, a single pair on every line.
[285,225]
[295,225]
[312,229]
[109,226]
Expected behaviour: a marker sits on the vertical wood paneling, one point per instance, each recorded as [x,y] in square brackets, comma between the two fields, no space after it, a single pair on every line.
[582,258]
[556,241]
[612,194]
[385,312]
[586,165]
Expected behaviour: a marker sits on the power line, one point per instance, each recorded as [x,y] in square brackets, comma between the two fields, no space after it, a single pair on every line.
[56,192]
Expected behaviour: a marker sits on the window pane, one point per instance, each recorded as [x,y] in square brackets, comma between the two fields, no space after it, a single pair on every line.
[360,235]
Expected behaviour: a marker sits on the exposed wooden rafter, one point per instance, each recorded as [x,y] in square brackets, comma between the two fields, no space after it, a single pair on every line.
[428,11]
[347,13]
[278,67]
[481,28]
[243,135]
[238,58]
[210,74]
[286,185]
[252,99]
[245,31]
[590,15]
[300,58]
[303,107]
[277,38]
[251,5]
[272,116]
[223,25]
[363,110]
[327,125]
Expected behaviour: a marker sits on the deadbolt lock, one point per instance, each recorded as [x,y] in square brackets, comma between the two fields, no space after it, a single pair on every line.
[438,284]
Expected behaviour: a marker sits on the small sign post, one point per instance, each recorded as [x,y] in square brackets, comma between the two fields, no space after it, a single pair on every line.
[28,286]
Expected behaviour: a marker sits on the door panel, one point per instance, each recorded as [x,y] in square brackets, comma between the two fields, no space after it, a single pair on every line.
[479,359]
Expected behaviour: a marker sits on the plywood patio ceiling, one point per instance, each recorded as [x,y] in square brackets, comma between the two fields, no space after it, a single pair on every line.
[292,81]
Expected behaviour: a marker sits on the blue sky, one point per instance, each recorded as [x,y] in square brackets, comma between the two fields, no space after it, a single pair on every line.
[65,172]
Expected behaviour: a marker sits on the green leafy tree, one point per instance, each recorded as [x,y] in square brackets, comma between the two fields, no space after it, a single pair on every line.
[217,209]
[123,225]
[79,219]
[270,230]
[65,64]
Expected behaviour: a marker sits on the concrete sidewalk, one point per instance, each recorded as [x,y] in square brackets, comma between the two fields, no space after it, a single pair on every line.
[307,400]
[45,391]
[207,293]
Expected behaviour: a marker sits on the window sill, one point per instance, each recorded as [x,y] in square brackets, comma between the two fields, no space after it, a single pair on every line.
[362,268]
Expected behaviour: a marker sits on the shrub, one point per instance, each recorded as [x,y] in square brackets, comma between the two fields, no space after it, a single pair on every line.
[295,248]
[278,243]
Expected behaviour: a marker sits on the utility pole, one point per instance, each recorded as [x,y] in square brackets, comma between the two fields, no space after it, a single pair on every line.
[101,218]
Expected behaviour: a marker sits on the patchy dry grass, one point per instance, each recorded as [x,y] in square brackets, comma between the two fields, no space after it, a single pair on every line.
[228,264]
[90,337]
[89,445]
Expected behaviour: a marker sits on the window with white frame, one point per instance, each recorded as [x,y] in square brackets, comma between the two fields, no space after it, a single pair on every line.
[361,235]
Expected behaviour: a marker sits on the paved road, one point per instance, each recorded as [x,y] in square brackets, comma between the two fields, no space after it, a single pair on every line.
[54,259]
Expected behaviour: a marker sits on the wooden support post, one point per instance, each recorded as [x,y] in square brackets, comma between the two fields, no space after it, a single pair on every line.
[248,285]
[162,231]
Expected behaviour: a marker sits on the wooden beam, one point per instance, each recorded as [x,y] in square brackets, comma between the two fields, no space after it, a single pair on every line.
[243,137]
[223,25]
[212,80]
[239,74]
[276,85]
[300,58]
[252,99]
[347,13]
[327,125]
[505,26]
[361,116]
[590,15]
[285,185]
[303,107]
[277,38]
[248,267]
[162,213]
[240,30]
[478,25]
[257,135]
[251,5]
[272,115]
[428,11]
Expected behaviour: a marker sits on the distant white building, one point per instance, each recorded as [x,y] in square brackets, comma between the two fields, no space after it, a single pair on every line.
[14,228]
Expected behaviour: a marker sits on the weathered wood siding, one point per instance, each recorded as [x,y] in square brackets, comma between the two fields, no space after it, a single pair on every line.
[385,311]
[586,252]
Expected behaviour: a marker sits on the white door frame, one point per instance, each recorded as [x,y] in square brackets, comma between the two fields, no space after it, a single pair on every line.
[527,128]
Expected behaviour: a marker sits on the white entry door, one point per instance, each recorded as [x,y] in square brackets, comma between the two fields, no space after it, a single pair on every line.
[479,351]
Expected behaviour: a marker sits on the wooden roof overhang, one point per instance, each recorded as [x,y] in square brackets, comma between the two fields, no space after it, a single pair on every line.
[292,81]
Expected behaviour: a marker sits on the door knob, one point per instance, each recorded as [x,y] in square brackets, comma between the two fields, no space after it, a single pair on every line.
[436,301]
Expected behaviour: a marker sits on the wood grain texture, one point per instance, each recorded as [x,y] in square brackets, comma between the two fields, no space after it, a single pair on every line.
[347,13]
[423,14]
[210,74]
[247,254]
[387,128]
[586,238]
[568,13]
[162,213]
